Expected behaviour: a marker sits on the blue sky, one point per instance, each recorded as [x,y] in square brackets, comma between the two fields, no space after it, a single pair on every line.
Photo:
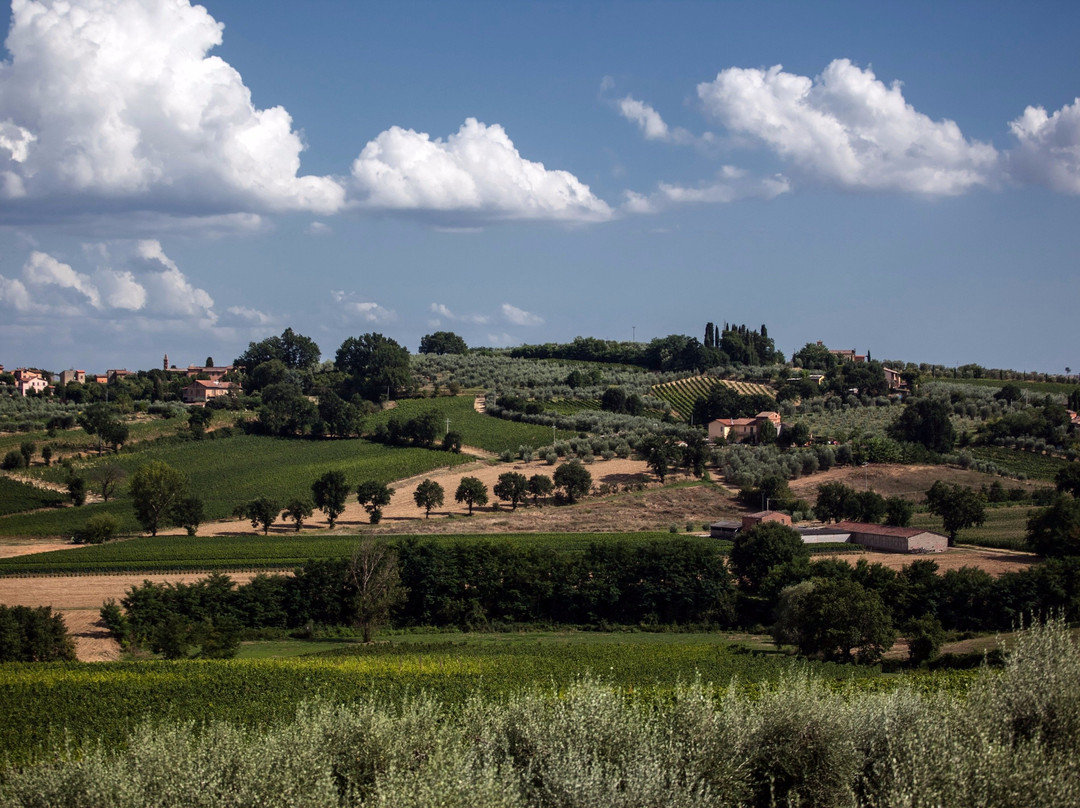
[902,178]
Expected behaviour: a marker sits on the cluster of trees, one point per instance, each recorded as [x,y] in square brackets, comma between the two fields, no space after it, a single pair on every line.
[1054,531]
[837,502]
[432,583]
[615,399]
[34,634]
[422,430]
[726,402]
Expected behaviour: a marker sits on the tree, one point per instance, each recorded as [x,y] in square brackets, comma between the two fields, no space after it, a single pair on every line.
[1067,479]
[339,417]
[832,501]
[428,495]
[814,357]
[837,616]
[1054,531]
[291,349]
[659,452]
[115,434]
[898,511]
[107,479]
[958,506]
[451,442]
[540,485]
[443,342]
[926,421]
[98,529]
[511,487]
[374,496]
[198,419]
[867,506]
[471,491]
[27,449]
[189,513]
[286,410]
[574,479]
[99,419]
[260,511]
[155,488]
[298,510]
[378,366]
[76,488]
[762,547]
[767,432]
[376,584]
[329,493]
[613,400]
[47,454]
[925,636]
[34,634]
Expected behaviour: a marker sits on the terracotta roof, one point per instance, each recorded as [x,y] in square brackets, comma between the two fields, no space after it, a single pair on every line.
[881,530]
[210,384]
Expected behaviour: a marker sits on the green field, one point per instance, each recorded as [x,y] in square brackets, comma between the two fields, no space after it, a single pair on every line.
[229,471]
[16,496]
[162,553]
[1039,388]
[39,703]
[1004,527]
[1034,466]
[476,429]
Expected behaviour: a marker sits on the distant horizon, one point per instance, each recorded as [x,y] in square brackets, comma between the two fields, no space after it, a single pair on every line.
[898,176]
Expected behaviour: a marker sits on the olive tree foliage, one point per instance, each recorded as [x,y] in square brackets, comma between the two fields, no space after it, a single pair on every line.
[428,494]
[102,420]
[376,583]
[574,480]
[155,489]
[374,496]
[329,493]
[512,487]
[471,491]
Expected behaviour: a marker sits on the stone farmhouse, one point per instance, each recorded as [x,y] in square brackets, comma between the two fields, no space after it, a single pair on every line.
[202,390]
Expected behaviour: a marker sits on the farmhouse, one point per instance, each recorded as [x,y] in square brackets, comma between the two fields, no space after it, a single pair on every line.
[873,537]
[69,376]
[199,392]
[739,430]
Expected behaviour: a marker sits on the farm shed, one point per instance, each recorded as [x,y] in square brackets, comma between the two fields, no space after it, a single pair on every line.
[724,529]
[895,539]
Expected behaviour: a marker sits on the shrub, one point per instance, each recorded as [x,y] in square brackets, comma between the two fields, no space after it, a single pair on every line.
[98,529]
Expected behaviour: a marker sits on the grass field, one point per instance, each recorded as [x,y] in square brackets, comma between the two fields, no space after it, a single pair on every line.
[1004,527]
[1034,466]
[476,429]
[228,471]
[168,553]
[39,703]
[1039,388]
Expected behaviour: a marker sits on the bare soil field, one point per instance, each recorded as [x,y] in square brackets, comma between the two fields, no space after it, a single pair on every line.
[995,562]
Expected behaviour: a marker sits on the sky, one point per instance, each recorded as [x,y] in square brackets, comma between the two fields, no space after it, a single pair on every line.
[900,178]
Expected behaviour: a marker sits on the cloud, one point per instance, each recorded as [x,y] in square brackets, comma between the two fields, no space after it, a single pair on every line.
[130,279]
[242,315]
[1049,148]
[848,129]
[443,311]
[114,106]
[652,125]
[367,310]
[730,185]
[474,175]
[517,316]
[318,229]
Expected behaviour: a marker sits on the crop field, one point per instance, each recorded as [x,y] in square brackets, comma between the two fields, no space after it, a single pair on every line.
[1004,527]
[175,553]
[40,703]
[1038,388]
[682,393]
[16,496]
[1033,466]
[476,429]
[228,471]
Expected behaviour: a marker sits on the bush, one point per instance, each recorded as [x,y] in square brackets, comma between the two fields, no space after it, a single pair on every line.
[98,529]
[12,460]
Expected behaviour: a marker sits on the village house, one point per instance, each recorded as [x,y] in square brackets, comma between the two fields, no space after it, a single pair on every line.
[69,376]
[214,373]
[201,391]
[882,538]
[742,430]
[113,375]
[30,381]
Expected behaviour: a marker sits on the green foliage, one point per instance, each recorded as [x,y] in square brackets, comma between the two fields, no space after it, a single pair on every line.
[764,546]
[377,366]
[156,488]
[574,480]
[925,636]
[428,494]
[189,512]
[958,506]
[471,491]
[76,488]
[291,349]
[374,496]
[898,511]
[261,512]
[33,634]
[835,617]
[98,529]
[443,342]
[1054,532]
[330,492]
[298,509]
[12,460]
[511,487]
[1068,479]
[540,485]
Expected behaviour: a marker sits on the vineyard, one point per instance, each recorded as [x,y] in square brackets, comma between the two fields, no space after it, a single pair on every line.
[174,553]
[682,393]
[16,496]
[1005,527]
[42,703]
[228,471]
[484,431]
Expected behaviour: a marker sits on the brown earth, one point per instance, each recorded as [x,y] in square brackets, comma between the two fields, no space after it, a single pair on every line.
[891,479]
[995,562]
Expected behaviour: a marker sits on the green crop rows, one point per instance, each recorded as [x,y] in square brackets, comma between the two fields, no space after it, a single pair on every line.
[476,429]
[40,703]
[1034,466]
[682,393]
[1005,527]
[157,553]
[16,496]
[228,471]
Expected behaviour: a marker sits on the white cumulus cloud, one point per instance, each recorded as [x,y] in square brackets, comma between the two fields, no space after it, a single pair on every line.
[474,175]
[517,316]
[730,185]
[367,310]
[652,125]
[848,129]
[442,310]
[116,105]
[1049,148]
